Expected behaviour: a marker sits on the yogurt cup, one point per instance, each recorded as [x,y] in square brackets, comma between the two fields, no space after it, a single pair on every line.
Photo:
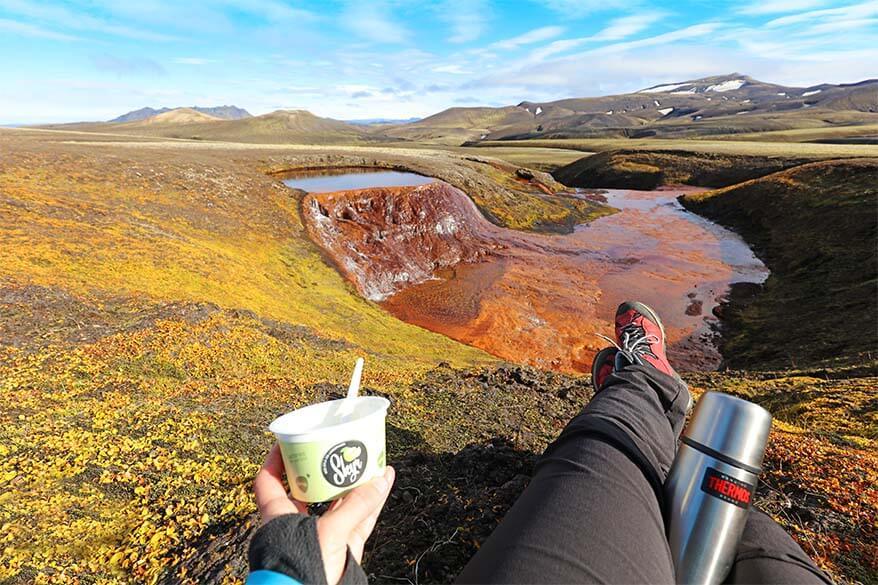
[329,450]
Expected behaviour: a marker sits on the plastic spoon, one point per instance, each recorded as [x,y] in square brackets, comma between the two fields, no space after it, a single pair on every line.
[347,405]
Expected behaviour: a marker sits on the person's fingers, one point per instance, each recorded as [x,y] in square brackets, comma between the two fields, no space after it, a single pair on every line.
[269,483]
[358,511]
[271,495]
[366,526]
[363,531]
[359,536]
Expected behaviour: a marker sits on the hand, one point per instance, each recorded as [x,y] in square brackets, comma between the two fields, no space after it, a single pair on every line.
[347,524]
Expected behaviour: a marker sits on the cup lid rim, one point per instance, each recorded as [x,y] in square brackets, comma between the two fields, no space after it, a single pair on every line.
[381,405]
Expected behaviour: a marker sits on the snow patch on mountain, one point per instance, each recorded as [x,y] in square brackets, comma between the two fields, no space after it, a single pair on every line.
[730,85]
[662,88]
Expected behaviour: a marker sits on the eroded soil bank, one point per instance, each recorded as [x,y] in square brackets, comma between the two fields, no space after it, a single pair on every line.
[433,260]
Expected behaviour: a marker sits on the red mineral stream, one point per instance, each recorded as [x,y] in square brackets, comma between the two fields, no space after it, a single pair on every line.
[429,257]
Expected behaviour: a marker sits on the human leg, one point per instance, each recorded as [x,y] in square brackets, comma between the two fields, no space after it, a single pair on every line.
[592,512]
[767,554]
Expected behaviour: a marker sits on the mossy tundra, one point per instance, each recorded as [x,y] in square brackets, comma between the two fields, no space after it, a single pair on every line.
[159,305]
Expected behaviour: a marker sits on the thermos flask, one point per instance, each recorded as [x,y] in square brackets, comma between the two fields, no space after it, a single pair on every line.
[711,484]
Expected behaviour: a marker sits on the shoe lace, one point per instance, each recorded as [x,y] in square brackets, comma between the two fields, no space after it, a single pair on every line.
[635,342]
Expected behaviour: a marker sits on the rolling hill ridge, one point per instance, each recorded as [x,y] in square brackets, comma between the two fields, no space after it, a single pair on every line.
[725,104]
[278,127]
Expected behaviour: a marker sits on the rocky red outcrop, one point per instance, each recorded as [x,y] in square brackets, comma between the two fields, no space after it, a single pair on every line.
[387,238]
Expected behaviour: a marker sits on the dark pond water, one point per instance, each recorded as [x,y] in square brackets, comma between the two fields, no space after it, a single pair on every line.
[323,181]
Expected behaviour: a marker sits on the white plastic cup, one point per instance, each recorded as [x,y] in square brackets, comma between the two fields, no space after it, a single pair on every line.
[328,450]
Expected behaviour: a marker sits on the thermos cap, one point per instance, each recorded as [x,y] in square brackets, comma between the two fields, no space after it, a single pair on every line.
[731,428]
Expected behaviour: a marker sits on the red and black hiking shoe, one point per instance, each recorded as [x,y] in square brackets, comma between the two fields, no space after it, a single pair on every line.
[640,337]
[603,365]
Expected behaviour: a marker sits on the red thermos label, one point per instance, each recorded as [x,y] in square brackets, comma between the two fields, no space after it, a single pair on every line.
[727,488]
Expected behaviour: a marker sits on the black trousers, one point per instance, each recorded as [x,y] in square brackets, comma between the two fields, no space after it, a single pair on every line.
[593,511]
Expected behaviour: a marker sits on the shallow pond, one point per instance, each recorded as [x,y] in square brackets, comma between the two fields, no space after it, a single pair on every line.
[323,181]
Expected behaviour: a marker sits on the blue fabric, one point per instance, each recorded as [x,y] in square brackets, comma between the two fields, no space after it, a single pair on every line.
[270,578]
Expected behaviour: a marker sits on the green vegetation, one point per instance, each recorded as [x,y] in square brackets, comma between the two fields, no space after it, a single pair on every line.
[805,134]
[711,145]
[815,226]
[543,159]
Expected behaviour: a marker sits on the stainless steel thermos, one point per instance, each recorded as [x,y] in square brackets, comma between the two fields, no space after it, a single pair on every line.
[711,484]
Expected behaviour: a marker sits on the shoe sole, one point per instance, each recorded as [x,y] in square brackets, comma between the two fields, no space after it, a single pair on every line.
[643,310]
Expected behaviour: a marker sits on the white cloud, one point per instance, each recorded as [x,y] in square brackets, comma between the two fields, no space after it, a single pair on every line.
[625,26]
[690,32]
[533,36]
[271,10]
[353,87]
[850,12]
[453,69]
[611,68]
[556,47]
[61,17]
[120,65]
[374,22]
[29,30]
[834,26]
[574,9]
[618,28]
[778,6]
[466,18]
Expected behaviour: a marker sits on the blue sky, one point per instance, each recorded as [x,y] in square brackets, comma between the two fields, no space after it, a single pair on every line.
[95,59]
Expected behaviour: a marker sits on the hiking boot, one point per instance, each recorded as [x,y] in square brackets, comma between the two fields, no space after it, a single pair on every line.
[640,338]
[602,366]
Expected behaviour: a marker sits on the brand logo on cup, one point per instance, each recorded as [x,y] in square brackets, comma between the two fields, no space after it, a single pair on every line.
[344,464]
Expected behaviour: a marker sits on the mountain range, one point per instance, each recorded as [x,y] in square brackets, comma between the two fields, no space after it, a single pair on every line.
[222,112]
[711,105]
[725,104]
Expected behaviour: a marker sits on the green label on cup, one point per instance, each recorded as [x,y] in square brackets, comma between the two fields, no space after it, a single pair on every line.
[344,463]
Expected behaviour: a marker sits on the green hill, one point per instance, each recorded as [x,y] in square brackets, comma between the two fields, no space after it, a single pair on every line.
[815,226]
